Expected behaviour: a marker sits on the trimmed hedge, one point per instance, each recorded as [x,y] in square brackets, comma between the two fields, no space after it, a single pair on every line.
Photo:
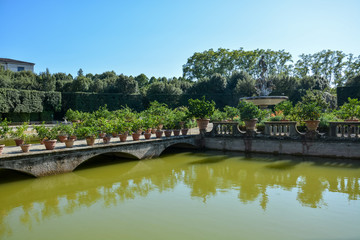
[343,93]
[25,105]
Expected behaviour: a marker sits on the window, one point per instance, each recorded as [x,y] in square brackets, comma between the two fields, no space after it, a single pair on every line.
[21,69]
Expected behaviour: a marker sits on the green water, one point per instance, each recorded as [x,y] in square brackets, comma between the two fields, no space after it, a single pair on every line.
[186,196]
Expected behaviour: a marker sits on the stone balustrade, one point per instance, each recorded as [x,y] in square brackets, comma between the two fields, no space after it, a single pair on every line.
[345,130]
[281,129]
[226,129]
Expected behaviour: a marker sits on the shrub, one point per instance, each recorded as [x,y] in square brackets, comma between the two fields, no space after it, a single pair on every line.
[201,108]
[248,110]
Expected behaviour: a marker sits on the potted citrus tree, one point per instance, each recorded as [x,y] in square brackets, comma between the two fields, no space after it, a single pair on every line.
[201,109]
[19,133]
[89,133]
[4,132]
[137,126]
[249,113]
[50,138]
[309,113]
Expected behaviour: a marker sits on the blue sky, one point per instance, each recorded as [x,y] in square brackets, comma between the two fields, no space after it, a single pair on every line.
[157,37]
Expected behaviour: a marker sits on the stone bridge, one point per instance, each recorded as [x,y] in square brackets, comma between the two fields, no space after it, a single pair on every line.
[44,163]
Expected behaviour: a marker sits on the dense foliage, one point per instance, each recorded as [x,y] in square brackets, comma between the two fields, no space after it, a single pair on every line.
[223,76]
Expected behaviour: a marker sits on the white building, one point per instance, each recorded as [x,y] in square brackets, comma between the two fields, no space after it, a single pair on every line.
[16,66]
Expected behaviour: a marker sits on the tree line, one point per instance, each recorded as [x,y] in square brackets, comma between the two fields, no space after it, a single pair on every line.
[215,74]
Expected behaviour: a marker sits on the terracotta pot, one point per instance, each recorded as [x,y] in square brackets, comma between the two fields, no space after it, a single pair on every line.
[168,133]
[69,143]
[50,144]
[184,131]
[147,135]
[123,137]
[176,132]
[202,123]
[62,138]
[1,148]
[251,124]
[73,138]
[19,142]
[136,136]
[159,133]
[107,139]
[312,125]
[148,130]
[114,134]
[25,147]
[102,135]
[90,141]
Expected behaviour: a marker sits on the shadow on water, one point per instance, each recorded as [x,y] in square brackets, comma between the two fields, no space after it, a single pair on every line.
[290,161]
[103,160]
[8,176]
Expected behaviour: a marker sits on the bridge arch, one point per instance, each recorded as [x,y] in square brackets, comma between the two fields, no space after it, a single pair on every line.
[184,145]
[119,155]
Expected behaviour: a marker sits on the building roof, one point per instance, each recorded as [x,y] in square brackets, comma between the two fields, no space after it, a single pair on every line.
[8,60]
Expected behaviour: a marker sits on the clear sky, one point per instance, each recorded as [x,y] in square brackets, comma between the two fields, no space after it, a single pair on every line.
[156,37]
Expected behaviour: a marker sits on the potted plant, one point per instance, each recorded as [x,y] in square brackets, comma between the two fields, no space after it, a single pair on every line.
[19,133]
[136,128]
[41,131]
[4,131]
[148,122]
[108,128]
[89,133]
[62,134]
[249,113]
[309,113]
[350,111]
[123,128]
[50,138]
[201,109]
[169,124]
[25,147]
[68,130]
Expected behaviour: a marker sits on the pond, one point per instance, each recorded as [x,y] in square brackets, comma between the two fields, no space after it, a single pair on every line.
[187,195]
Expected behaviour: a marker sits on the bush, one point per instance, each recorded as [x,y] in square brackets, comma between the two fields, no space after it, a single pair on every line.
[248,110]
[201,108]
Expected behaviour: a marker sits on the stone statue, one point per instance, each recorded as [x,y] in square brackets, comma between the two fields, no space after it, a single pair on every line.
[263,86]
[263,66]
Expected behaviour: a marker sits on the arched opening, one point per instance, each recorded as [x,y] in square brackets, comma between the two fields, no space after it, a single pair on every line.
[12,175]
[105,159]
[180,147]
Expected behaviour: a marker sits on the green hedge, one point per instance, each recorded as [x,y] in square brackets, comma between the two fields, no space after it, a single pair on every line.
[88,102]
[343,93]
[25,105]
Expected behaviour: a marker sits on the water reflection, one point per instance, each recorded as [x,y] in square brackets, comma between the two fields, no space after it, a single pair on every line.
[36,200]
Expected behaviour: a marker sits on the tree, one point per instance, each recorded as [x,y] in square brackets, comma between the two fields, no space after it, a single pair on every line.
[242,84]
[353,82]
[81,84]
[47,81]
[80,73]
[142,80]
[126,85]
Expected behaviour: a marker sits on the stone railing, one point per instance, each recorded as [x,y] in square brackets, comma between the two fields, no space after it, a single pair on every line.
[281,129]
[225,129]
[287,129]
[345,130]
